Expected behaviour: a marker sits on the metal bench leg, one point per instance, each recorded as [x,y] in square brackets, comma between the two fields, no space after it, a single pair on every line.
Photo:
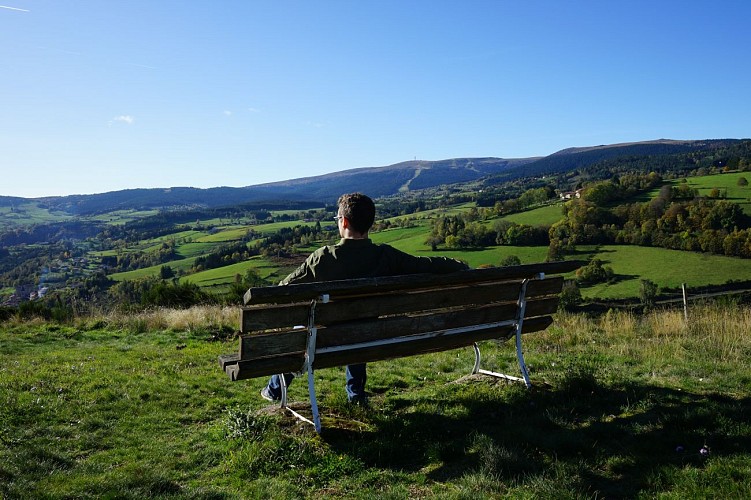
[521,307]
[520,356]
[309,358]
[477,369]
[313,402]
[283,384]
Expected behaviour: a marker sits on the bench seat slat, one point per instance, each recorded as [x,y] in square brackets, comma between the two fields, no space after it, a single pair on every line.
[263,345]
[228,359]
[309,291]
[244,369]
[273,344]
[280,316]
[385,328]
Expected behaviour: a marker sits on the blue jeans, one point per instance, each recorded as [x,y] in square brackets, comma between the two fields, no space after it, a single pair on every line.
[356,376]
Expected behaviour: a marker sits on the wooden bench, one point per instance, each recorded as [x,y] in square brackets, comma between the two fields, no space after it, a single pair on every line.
[299,328]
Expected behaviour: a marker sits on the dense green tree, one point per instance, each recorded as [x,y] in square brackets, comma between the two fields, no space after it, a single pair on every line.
[594,272]
[510,260]
[647,292]
[166,272]
[570,295]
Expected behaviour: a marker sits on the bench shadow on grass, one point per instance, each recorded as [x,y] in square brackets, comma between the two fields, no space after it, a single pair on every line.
[614,441]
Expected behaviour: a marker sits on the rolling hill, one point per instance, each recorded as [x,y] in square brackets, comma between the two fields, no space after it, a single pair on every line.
[376,181]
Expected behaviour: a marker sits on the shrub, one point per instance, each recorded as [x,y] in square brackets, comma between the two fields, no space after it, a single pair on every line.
[594,272]
[174,295]
[511,260]
[647,292]
[570,295]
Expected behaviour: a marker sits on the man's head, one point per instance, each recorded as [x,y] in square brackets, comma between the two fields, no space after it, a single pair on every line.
[359,210]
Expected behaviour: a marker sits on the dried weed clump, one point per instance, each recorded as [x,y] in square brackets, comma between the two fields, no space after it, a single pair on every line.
[715,334]
[196,318]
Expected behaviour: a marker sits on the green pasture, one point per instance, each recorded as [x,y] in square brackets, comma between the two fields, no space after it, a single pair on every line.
[226,275]
[180,234]
[667,268]
[726,183]
[183,265]
[542,216]
[412,240]
[273,227]
[120,217]
[195,249]
[424,216]
[229,233]
[28,213]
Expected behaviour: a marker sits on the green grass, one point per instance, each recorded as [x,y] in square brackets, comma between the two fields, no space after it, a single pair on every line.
[183,265]
[543,216]
[412,241]
[667,268]
[226,275]
[120,217]
[276,226]
[230,233]
[728,183]
[725,182]
[28,213]
[620,408]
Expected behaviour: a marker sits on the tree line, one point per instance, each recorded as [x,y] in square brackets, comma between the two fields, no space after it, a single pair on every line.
[677,219]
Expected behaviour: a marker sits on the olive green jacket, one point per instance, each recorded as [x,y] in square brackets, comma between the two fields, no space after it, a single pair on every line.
[362,258]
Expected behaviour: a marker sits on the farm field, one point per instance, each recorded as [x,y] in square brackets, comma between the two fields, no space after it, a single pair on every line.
[630,263]
[412,241]
[728,184]
[201,237]
[225,275]
[26,213]
[543,216]
[667,268]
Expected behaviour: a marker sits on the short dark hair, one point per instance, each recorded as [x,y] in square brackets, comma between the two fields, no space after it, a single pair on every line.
[358,209]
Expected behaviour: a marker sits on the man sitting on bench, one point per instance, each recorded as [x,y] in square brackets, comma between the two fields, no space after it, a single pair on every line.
[356,256]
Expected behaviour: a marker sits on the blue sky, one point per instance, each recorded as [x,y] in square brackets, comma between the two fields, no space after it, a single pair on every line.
[100,96]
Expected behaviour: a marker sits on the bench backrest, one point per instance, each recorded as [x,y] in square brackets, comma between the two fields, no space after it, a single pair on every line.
[373,319]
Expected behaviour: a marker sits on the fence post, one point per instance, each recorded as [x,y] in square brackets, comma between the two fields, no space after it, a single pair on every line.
[685,303]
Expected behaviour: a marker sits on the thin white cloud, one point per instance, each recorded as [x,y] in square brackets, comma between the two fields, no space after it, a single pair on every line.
[227,113]
[141,65]
[13,8]
[254,110]
[124,119]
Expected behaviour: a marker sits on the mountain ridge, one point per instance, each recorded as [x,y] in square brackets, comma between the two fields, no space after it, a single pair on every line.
[410,175]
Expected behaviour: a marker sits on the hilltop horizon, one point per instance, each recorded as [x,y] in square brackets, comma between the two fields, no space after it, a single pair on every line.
[414,163]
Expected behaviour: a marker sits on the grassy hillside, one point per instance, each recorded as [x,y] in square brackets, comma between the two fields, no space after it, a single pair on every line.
[220,277]
[728,185]
[543,216]
[667,268]
[621,408]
